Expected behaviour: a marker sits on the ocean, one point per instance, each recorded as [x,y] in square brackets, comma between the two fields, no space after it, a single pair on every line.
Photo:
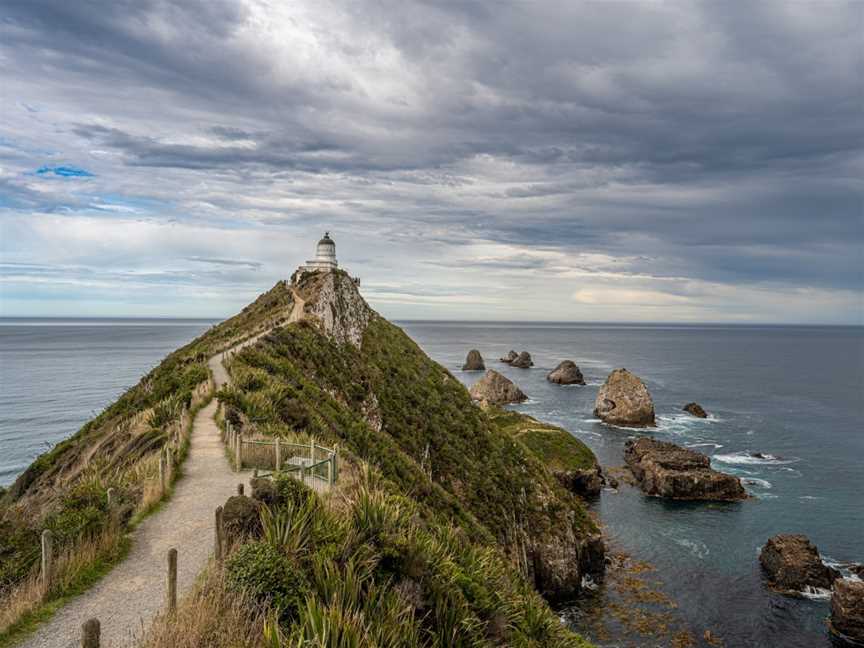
[794,394]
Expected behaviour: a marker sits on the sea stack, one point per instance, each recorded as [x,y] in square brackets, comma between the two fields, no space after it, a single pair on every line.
[793,565]
[523,361]
[566,373]
[696,410]
[624,400]
[474,361]
[510,357]
[495,389]
[667,470]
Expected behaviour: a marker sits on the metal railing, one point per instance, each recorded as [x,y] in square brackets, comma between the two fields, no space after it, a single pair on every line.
[305,461]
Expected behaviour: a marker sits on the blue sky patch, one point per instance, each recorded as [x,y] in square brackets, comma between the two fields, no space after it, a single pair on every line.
[64,171]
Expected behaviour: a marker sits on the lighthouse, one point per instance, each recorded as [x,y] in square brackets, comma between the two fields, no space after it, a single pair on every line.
[325,256]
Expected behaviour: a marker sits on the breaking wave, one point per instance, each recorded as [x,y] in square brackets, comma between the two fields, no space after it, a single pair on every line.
[746,458]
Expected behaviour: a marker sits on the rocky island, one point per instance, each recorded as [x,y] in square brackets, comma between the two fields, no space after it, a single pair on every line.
[666,470]
[624,400]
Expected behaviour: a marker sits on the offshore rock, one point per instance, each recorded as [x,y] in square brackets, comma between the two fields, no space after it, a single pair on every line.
[624,400]
[847,611]
[523,361]
[474,361]
[792,564]
[495,389]
[696,410]
[510,357]
[566,373]
[667,470]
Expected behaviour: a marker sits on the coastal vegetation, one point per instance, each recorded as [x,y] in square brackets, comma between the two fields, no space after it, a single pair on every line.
[444,522]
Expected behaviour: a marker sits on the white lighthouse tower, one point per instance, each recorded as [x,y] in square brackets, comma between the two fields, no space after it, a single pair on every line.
[325,256]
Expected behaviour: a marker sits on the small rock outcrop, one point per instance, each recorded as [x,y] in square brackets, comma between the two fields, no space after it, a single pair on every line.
[510,357]
[696,410]
[495,389]
[587,482]
[474,361]
[624,400]
[566,373]
[523,361]
[847,611]
[667,470]
[792,564]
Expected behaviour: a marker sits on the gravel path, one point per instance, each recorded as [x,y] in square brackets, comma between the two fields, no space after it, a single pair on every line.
[128,598]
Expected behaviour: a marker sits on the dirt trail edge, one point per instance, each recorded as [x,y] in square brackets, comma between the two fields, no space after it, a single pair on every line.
[134,592]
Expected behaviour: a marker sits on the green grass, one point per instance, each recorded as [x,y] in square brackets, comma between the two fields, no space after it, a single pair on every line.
[85,578]
[554,446]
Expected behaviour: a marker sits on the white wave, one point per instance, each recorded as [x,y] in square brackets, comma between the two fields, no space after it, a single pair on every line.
[592,420]
[753,481]
[745,458]
[717,446]
[697,548]
[816,593]
[588,583]
[766,496]
[810,497]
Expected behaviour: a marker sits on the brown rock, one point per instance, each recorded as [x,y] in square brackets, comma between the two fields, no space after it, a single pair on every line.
[667,470]
[847,611]
[587,482]
[559,566]
[624,400]
[523,361]
[566,373]
[510,357]
[474,361]
[696,410]
[792,564]
[496,389]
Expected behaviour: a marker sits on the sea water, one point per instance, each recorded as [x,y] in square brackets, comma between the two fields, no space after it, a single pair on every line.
[795,395]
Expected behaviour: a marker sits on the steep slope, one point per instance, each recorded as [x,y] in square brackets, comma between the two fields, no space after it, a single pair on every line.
[348,376]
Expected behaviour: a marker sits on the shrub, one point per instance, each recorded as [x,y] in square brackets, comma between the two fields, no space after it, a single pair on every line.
[268,575]
[291,490]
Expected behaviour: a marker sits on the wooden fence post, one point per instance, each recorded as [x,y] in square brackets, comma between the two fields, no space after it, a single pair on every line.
[90,632]
[240,489]
[162,471]
[219,536]
[238,453]
[335,462]
[47,561]
[172,581]
[311,450]
[278,455]
[169,463]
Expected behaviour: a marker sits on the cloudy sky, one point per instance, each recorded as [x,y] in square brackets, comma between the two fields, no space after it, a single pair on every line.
[532,161]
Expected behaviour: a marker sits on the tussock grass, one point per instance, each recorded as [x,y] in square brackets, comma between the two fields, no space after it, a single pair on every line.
[212,615]
[76,567]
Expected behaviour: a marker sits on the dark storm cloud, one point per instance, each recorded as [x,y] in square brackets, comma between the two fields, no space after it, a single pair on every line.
[720,142]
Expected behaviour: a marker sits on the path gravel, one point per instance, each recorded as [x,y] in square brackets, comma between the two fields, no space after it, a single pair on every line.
[130,596]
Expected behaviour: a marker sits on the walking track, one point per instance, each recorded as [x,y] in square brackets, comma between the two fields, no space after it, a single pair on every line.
[130,596]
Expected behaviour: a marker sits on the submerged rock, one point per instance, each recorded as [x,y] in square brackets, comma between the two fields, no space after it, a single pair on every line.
[474,361]
[510,357]
[696,410]
[668,470]
[561,568]
[523,361]
[847,611]
[566,373]
[624,400]
[792,564]
[495,389]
